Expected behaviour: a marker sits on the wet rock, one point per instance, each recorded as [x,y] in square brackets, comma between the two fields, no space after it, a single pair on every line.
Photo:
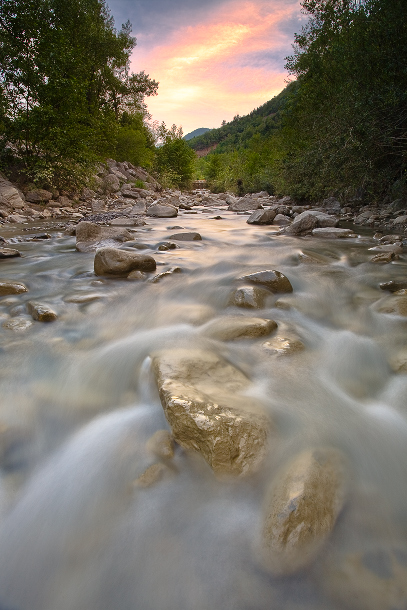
[12,288]
[112,261]
[90,236]
[228,328]
[244,205]
[41,312]
[394,304]
[333,233]
[166,245]
[274,280]
[16,218]
[394,285]
[9,253]
[166,273]
[303,223]
[203,401]
[186,237]
[283,346]
[395,248]
[153,474]
[281,220]
[374,579]
[262,217]
[161,444]
[17,324]
[2,241]
[84,298]
[384,257]
[248,296]
[162,210]
[136,275]
[302,508]
[38,196]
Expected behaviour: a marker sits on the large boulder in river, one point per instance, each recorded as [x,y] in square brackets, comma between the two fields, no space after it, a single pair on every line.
[90,236]
[303,223]
[251,297]
[203,400]
[262,217]
[302,508]
[244,205]
[162,210]
[113,261]
[273,280]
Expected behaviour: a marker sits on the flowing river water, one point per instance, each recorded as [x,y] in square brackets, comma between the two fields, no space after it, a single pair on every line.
[76,533]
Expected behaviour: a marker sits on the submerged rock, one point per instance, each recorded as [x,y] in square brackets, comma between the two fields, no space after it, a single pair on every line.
[283,346]
[12,288]
[17,324]
[228,328]
[302,508]
[166,273]
[374,579]
[90,236]
[152,475]
[275,281]
[113,261]
[186,237]
[393,304]
[41,312]
[203,401]
[161,444]
[333,232]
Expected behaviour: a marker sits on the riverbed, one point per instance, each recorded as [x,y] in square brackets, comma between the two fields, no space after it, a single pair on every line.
[77,533]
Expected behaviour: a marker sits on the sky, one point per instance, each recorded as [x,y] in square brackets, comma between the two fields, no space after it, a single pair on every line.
[213,58]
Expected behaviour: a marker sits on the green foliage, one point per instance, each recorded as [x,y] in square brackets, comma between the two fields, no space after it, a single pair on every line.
[174,159]
[139,184]
[65,83]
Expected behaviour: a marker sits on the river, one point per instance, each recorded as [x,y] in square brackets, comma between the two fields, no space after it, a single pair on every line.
[76,533]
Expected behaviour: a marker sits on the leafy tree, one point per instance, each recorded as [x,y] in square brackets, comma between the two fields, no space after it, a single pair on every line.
[174,160]
[65,82]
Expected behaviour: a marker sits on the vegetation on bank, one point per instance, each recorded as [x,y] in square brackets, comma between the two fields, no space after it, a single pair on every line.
[341,127]
[68,98]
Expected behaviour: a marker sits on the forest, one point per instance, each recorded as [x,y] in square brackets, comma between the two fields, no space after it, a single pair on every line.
[69,100]
[340,126]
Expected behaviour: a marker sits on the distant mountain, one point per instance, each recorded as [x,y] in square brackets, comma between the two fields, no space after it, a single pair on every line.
[236,134]
[197,132]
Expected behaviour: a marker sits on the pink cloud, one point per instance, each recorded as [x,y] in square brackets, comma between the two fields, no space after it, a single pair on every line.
[207,72]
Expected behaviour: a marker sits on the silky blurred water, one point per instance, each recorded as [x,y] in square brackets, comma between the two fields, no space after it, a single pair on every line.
[75,533]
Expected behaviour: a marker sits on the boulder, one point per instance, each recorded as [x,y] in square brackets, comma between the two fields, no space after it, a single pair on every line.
[90,236]
[162,210]
[303,223]
[41,312]
[203,400]
[9,253]
[111,183]
[186,237]
[11,288]
[301,509]
[112,261]
[281,220]
[262,217]
[138,208]
[274,280]
[10,197]
[228,328]
[249,296]
[394,285]
[38,196]
[244,205]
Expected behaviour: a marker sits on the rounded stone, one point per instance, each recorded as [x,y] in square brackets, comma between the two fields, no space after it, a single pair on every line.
[113,261]
[274,280]
[248,296]
[9,253]
[228,328]
[12,288]
[301,510]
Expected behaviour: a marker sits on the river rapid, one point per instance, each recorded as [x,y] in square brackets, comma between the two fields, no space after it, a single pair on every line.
[76,533]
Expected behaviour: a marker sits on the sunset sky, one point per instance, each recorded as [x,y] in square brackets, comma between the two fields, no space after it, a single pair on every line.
[213,59]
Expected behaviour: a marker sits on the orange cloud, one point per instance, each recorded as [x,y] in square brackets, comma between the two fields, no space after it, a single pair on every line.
[220,67]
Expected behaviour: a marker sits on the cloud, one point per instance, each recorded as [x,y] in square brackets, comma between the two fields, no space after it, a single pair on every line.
[228,61]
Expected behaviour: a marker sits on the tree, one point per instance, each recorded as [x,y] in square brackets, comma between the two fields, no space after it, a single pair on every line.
[65,81]
[174,158]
